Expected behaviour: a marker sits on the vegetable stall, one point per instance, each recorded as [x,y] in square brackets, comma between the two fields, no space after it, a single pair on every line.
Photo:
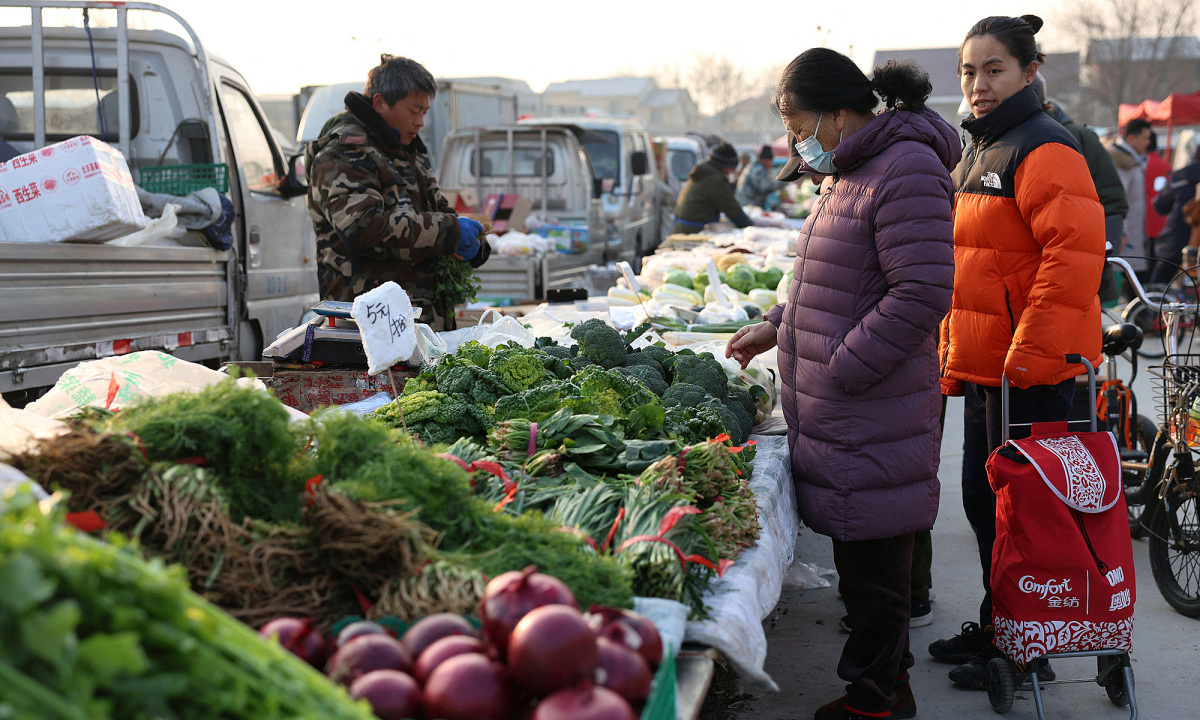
[614,470]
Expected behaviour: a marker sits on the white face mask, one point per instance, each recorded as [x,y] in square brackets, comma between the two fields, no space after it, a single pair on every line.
[814,155]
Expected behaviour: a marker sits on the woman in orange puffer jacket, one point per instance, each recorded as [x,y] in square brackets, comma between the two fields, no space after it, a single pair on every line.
[1028,253]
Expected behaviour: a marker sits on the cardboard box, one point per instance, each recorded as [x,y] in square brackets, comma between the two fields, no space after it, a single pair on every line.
[306,390]
[568,238]
[463,201]
[507,212]
[78,190]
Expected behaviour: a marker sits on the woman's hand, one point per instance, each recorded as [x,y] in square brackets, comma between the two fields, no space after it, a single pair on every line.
[751,340]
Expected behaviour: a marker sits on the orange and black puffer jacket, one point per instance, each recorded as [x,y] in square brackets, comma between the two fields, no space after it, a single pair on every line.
[1028,252]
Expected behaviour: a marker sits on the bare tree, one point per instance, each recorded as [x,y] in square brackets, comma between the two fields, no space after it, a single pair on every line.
[717,83]
[1134,50]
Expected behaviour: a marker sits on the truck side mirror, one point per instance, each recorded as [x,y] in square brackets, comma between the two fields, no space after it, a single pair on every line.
[639,164]
[296,182]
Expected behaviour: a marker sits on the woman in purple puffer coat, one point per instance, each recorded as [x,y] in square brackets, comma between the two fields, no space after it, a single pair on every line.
[857,342]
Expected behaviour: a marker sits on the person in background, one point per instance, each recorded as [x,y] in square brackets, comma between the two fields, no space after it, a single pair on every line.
[1128,152]
[1028,252]
[1158,174]
[857,346]
[376,207]
[744,161]
[708,192]
[1176,232]
[756,183]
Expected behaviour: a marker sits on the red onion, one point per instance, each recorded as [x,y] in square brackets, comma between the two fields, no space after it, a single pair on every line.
[623,671]
[366,653]
[357,629]
[469,687]
[509,596]
[300,637]
[626,627]
[393,695]
[432,628]
[552,647]
[441,651]
[586,702]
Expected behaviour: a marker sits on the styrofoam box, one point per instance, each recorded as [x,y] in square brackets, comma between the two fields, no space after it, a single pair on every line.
[78,190]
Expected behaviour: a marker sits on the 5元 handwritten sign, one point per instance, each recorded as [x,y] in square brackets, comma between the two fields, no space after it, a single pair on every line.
[385,319]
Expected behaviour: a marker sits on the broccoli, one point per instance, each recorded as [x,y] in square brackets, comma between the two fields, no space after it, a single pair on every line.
[742,395]
[520,368]
[600,343]
[611,393]
[638,358]
[694,424]
[535,404]
[558,351]
[475,353]
[646,374]
[698,370]
[556,366]
[685,394]
[460,377]
[661,355]
[742,424]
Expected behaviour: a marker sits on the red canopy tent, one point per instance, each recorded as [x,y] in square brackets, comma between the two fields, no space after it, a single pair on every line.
[1177,109]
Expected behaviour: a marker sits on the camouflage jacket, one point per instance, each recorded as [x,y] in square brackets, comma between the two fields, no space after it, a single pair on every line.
[377,210]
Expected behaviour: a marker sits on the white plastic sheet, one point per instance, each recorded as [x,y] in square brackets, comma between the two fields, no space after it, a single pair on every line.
[748,591]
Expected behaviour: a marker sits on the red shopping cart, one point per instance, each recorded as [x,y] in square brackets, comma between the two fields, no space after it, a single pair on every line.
[1062,566]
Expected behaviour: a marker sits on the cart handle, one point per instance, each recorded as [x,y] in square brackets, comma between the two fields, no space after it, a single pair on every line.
[1072,359]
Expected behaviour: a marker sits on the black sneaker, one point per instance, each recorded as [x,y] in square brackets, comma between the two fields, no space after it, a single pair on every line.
[963,646]
[973,673]
[921,615]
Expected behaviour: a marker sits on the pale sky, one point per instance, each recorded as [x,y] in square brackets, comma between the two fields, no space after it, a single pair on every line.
[281,46]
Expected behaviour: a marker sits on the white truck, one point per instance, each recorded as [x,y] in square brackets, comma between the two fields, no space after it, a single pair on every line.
[163,100]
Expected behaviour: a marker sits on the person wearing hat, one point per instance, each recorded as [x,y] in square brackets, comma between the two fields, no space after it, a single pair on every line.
[756,184]
[708,192]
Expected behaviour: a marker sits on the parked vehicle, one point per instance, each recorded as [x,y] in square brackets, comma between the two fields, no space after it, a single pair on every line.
[458,104]
[547,166]
[619,150]
[164,101]
[683,154]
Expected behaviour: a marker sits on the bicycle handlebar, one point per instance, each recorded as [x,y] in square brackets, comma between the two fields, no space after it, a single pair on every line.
[1132,278]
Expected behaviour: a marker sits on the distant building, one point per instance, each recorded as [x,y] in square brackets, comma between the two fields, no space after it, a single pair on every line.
[1130,70]
[664,111]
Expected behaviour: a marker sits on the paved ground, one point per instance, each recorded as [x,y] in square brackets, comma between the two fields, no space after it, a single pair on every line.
[804,640]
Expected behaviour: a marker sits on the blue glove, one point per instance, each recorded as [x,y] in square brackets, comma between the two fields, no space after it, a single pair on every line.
[468,233]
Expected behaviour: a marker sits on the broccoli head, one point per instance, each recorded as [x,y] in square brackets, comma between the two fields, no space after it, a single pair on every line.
[434,407]
[639,358]
[742,421]
[742,395]
[611,393]
[520,368]
[558,351]
[698,370]
[685,394]
[600,343]
[556,366]
[694,424]
[651,379]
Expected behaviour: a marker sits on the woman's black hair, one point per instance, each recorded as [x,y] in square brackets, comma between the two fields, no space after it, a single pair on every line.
[824,80]
[1014,33]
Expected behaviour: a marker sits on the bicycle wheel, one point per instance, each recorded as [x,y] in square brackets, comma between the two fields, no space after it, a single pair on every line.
[1149,319]
[1174,530]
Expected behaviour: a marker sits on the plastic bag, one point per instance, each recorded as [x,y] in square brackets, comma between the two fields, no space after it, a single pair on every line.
[756,373]
[715,312]
[499,331]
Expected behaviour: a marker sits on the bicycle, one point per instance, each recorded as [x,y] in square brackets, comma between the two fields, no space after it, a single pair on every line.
[1145,309]
[1170,486]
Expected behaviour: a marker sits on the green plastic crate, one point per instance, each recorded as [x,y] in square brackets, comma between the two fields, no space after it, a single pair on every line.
[184,179]
[661,703]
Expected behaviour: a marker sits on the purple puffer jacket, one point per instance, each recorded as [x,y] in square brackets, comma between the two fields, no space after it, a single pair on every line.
[857,337]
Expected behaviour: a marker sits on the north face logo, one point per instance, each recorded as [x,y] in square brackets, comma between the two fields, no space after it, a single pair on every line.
[991,180]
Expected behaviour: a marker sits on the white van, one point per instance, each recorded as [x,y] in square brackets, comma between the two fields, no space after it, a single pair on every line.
[619,150]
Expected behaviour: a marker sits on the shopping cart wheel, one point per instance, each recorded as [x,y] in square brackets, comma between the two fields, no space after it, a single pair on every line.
[1001,686]
[1112,679]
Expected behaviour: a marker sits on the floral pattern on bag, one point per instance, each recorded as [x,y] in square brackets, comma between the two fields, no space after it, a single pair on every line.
[1025,640]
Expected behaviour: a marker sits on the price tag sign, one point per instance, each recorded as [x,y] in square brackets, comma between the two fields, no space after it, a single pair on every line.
[627,272]
[386,320]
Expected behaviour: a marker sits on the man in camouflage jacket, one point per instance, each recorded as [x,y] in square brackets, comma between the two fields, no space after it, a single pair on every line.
[375,204]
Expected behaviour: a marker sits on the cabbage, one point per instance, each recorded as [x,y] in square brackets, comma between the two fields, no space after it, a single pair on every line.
[679,277]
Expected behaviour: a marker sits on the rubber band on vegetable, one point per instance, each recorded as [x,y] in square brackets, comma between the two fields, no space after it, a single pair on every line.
[580,534]
[613,530]
[310,487]
[88,521]
[529,451]
[363,601]
[198,460]
[672,517]
[113,388]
